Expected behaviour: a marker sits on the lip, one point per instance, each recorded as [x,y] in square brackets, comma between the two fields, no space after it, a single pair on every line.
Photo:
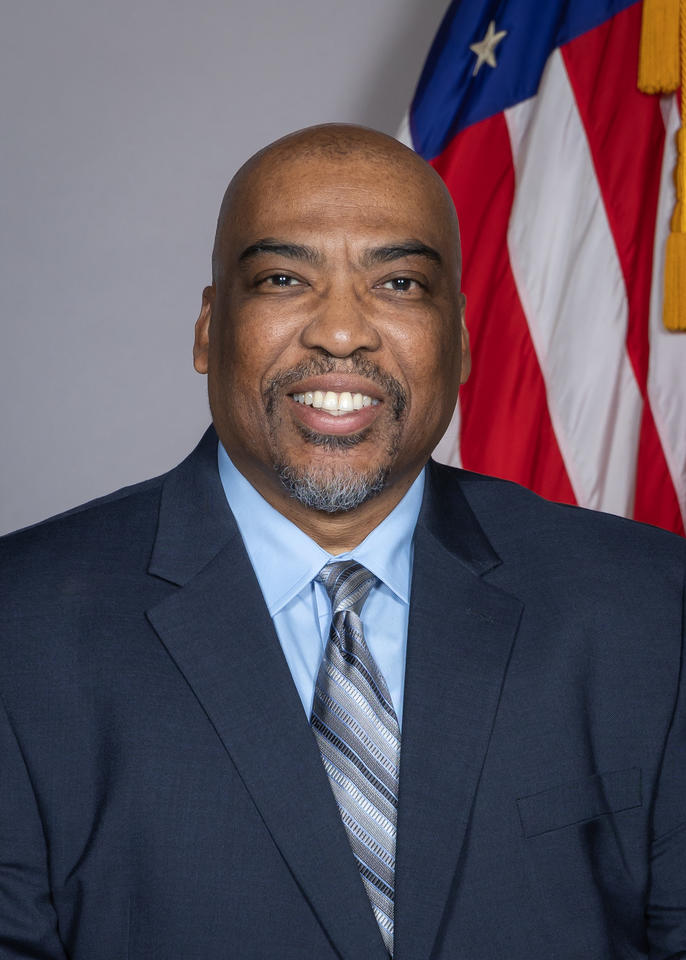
[338,383]
[318,420]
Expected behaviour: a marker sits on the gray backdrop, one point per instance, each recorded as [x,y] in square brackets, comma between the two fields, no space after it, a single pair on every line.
[122,121]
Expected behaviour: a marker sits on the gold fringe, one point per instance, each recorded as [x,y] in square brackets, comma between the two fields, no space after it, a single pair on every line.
[661,69]
[678,221]
[673,312]
[658,58]
[674,307]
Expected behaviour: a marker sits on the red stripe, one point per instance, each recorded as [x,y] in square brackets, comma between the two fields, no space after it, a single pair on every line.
[625,133]
[506,429]
[656,501]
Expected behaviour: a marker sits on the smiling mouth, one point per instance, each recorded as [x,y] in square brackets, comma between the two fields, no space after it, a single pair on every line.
[335,404]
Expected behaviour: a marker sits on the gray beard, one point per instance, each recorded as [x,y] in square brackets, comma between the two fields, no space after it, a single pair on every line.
[347,489]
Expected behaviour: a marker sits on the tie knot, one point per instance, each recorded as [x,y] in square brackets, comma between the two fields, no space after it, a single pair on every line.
[348,584]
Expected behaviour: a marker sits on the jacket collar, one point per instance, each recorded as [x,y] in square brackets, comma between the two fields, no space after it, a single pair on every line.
[195,521]
[447,515]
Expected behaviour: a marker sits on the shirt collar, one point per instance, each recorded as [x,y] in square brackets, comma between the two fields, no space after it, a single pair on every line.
[285,559]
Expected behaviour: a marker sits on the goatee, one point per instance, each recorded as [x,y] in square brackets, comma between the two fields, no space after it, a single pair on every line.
[346,489]
[341,488]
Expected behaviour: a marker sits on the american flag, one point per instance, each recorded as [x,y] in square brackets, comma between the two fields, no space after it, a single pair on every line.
[562,175]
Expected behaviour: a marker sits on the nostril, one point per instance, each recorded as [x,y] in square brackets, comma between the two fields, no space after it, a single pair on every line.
[340,334]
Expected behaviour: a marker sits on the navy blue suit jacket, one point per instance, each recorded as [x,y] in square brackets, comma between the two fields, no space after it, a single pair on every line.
[162,797]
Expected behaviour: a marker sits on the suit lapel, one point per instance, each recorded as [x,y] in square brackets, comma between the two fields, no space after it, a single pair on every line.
[218,631]
[460,636]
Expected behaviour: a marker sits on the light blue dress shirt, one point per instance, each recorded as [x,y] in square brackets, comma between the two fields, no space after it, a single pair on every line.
[286,562]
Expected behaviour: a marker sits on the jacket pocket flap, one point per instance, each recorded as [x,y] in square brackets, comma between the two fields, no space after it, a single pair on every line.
[583,800]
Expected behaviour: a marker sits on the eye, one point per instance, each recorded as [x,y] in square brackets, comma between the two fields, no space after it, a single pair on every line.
[281,280]
[401,284]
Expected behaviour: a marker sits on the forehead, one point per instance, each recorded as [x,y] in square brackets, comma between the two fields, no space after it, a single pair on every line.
[360,197]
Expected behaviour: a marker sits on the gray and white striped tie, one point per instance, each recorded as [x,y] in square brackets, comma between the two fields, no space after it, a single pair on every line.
[359,739]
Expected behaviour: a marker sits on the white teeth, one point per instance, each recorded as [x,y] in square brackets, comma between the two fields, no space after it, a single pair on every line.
[335,403]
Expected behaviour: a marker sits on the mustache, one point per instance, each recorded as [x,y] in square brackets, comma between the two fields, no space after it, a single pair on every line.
[316,366]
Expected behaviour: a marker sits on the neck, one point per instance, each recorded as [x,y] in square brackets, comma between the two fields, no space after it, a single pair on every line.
[339,532]
[334,532]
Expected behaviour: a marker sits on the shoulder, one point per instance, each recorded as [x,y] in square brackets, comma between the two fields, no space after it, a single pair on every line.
[98,536]
[590,583]
[107,533]
[520,523]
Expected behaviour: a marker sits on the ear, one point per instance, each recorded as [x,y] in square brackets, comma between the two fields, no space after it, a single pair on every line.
[201,344]
[464,333]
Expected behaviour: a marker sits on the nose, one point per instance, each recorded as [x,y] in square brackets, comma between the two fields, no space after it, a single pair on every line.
[341,324]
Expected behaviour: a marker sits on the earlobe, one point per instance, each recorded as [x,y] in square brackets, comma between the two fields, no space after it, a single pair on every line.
[201,344]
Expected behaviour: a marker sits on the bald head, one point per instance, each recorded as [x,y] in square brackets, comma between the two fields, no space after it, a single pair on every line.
[333,145]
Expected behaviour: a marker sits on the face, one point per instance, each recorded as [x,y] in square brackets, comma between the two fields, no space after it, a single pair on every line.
[333,336]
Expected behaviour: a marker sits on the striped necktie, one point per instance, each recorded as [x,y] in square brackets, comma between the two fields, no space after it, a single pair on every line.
[359,739]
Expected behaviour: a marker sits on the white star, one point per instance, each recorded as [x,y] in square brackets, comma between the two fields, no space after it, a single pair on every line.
[484,50]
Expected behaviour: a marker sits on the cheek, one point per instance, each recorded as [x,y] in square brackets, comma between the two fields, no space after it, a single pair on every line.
[234,387]
[430,363]
[257,346]
[237,365]
[431,370]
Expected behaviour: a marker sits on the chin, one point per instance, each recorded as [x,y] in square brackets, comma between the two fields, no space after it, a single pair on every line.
[331,489]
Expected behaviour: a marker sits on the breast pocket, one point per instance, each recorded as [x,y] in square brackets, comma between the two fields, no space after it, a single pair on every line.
[578,802]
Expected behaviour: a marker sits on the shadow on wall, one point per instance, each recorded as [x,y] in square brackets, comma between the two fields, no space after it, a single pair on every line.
[389,86]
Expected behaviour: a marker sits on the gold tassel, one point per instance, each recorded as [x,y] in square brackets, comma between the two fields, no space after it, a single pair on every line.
[673,312]
[661,68]
[674,308]
[658,57]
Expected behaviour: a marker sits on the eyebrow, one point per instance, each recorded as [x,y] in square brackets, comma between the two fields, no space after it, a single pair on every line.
[395,251]
[294,251]
[375,255]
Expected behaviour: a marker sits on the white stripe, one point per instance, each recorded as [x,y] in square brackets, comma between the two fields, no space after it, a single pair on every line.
[364,828]
[667,367]
[369,808]
[572,291]
[404,134]
[339,678]
[360,734]
[448,448]
[361,833]
[382,919]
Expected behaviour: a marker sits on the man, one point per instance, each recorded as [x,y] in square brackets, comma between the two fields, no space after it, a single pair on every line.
[484,756]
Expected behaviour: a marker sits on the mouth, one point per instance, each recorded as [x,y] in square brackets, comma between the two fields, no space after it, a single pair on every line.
[335,405]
